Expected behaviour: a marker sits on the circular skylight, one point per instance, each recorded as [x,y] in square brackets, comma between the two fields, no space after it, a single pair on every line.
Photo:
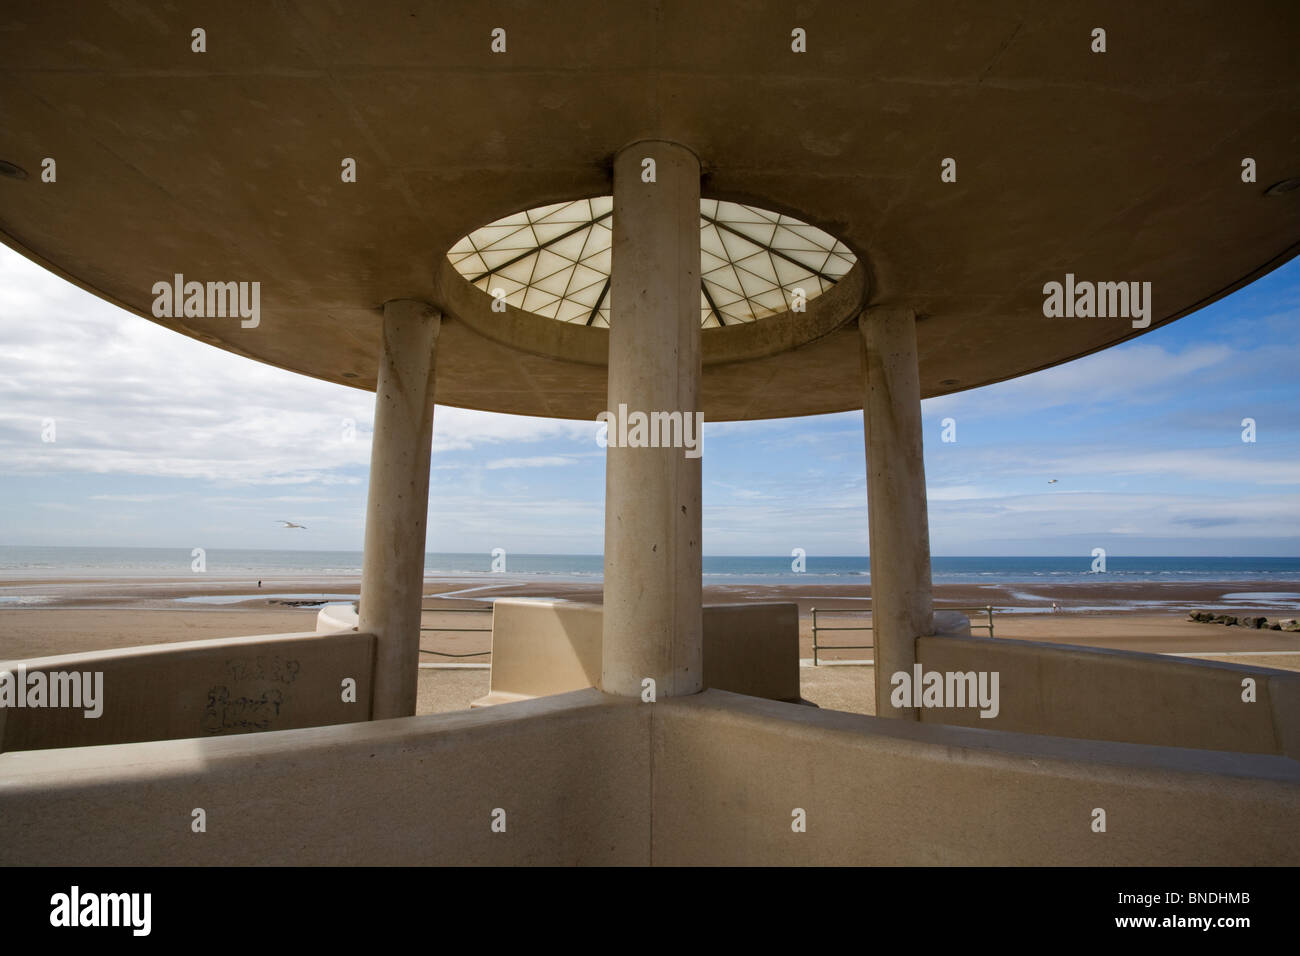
[555,261]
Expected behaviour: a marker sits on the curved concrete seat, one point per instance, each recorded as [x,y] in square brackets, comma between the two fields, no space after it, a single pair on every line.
[234,685]
[501,697]
[540,648]
[1095,693]
[587,778]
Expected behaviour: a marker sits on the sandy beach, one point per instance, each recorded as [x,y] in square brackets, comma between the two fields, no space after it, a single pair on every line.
[48,616]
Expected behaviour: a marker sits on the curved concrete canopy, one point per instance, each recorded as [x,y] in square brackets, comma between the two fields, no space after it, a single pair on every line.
[225,166]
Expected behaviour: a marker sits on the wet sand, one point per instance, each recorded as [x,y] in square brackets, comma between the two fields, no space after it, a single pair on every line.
[468,590]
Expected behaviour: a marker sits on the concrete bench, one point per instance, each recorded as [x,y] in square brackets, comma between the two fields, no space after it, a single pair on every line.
[545,647]
[194,689]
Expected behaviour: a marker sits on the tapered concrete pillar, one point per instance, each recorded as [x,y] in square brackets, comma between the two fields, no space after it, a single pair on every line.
[901,600]
[652,618]
[392,570]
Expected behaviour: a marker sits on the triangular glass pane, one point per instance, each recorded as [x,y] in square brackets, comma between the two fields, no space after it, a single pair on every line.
[760,264]
[600,261]
[554,284]
[787,273]
[584,276]
[811,260]
[535,299]
[549,309]
[738,248]
[546,231]
[471,266]
[496,236]
[810,232]
[570,311]
[588,295]
[731,212]
[837,266]
[571,247]
[492,283]
[726,281]
[752,285]
[787,240]
[495,258]
[711,244]
[520,271]
[709,262]
[551,211]
[548,263]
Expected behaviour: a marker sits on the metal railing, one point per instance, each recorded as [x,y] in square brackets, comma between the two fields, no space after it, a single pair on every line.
[837,647]
[457,630]
[987,609]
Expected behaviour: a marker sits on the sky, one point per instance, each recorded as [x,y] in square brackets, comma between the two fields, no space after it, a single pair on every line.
[159,440]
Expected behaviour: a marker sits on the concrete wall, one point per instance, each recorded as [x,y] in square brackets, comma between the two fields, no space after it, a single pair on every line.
[571,774]
[1086,692]
[541,648]
[552,647]
[729,771]
[752,649]
[200,689]
[587,778]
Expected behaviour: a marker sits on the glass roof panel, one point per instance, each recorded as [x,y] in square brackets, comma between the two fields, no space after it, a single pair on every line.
[555,261]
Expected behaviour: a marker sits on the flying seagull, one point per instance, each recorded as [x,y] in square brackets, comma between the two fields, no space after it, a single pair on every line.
[290,524]
[1052,481]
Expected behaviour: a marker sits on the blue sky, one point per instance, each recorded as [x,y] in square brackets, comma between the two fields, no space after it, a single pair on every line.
[162,441]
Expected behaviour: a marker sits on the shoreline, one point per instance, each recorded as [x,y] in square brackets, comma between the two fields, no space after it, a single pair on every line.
[1268,597]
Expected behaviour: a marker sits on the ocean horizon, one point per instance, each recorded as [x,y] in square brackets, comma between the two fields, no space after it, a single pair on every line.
[132,562]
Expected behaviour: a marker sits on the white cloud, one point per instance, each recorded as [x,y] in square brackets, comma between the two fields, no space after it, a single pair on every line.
[1243,464]
[1137,374]
[134,499]
[130,397]
[539,461]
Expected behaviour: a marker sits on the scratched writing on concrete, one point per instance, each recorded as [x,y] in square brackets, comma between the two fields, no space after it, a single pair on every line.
[226,711]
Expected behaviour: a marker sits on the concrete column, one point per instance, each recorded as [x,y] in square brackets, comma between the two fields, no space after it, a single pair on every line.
[901,601]
[392,570]
[652,618]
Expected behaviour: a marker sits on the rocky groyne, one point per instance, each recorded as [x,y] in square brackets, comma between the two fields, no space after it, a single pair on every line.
[1256,622]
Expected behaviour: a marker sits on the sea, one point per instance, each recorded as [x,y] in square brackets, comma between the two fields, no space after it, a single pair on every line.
[17,562]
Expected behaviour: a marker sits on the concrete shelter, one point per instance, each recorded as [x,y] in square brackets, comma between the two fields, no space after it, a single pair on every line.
[913,176]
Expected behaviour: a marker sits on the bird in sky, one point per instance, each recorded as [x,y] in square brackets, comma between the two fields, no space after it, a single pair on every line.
[290,524]
[1052,481]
